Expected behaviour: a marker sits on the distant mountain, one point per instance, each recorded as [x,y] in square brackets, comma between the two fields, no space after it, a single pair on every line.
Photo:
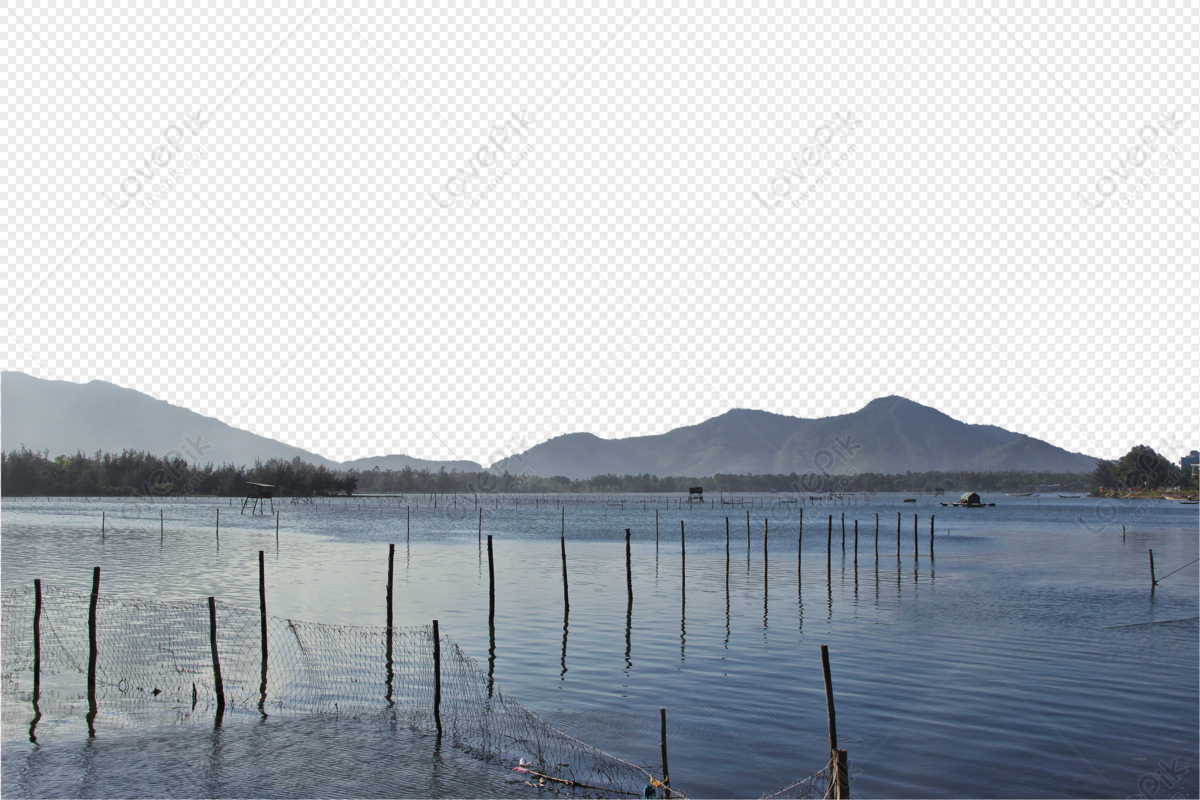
[399,462]
[65,417]
[888,435]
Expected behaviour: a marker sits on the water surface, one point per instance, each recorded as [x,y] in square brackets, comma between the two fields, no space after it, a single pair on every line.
[1027,657]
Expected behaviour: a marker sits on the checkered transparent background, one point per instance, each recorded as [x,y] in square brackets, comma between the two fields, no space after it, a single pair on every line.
[618,276]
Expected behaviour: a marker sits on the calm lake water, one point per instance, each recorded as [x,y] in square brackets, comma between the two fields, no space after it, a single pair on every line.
[1028,657]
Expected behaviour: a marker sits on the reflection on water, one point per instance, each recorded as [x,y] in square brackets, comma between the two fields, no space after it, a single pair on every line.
[322,756]
[1019,615]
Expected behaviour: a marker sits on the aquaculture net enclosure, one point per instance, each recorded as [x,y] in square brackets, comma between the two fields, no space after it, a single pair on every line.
[155,658]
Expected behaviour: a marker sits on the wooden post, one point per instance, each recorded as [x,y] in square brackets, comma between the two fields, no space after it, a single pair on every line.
[408,523]
[276,530]
[93,651]
[37,639]
[764,538]
[103,520]
[897,536]
[841,776]
[437,677]
[656,529]
[662,742]
[876,537]
[915,553]
[628,566]
[563,542]
[491,618]
[800,539]
[1153,582]
[931,516]
[829,698]
[843,531]
[262,609]
[1122,534]
[160,526]
[218,527]
[481,525]
[829,541]
[855,543]
[682,540]
[216,660]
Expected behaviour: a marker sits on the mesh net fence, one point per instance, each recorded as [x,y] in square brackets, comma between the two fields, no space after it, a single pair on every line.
[821,784]
[156,657]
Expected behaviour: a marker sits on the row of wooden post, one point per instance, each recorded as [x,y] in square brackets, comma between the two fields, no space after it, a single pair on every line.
[162,531]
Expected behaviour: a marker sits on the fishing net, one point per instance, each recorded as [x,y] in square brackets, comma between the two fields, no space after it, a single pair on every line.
[156,658]
[818,785]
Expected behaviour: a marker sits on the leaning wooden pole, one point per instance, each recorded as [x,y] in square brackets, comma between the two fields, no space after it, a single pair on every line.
[93,652]
[218,684]
[1153,582]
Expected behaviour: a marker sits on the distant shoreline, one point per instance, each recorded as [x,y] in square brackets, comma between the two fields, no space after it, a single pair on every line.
[1146,494]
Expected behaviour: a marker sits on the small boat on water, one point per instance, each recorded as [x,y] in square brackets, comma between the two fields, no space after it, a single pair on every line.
[1189,502]
[1018,494]
[911,500]
[1070,496]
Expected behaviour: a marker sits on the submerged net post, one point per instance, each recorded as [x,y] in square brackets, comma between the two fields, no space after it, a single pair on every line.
[93,652]
[218,684]
[262,608]
[662,742]
[437,678]
[829,698]
[388,655]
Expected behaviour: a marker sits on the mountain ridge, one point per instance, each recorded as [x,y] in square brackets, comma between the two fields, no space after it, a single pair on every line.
[66,418]
[889,434]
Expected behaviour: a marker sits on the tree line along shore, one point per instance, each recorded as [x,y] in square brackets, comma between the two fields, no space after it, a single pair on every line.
[134,473]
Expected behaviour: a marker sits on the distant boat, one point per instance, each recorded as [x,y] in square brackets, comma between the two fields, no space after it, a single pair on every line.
[1189,502]
[910,499]
[1018,494]
[1070,496]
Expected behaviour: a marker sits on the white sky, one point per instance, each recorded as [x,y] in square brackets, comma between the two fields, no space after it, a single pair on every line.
[611,270]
